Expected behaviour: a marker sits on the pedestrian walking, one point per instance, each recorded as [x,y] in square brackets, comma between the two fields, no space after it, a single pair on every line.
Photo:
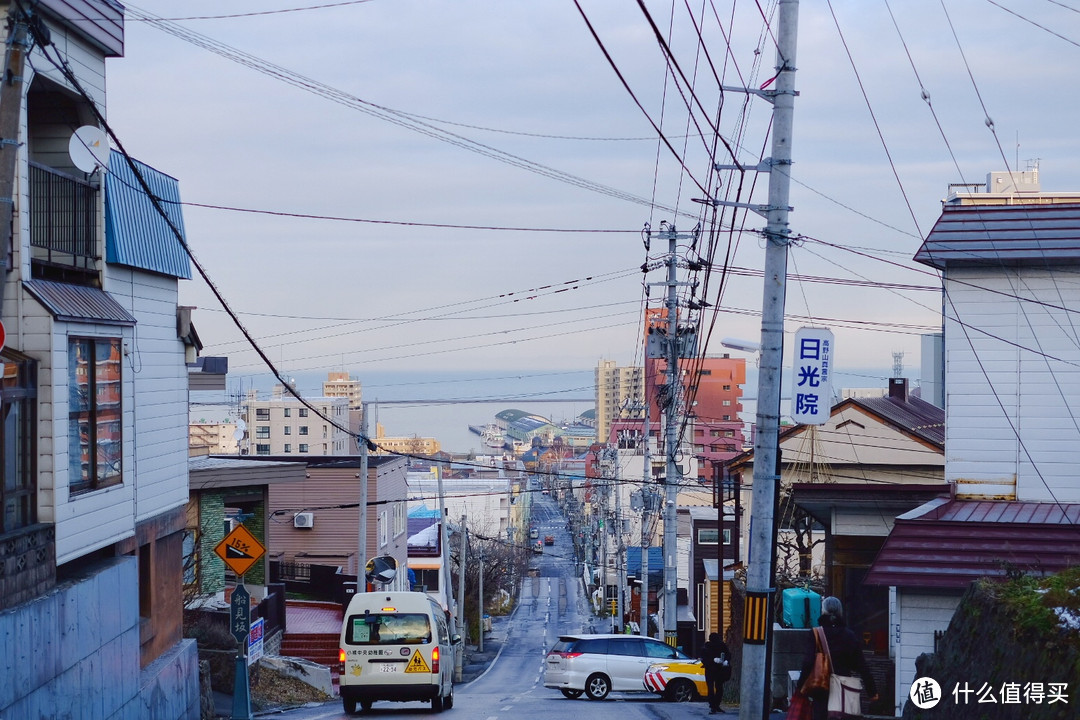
[716,658]
[845,652]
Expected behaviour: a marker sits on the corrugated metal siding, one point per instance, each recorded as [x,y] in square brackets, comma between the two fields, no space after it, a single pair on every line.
[99,21]
[78,303]
[978,234]
[135,233]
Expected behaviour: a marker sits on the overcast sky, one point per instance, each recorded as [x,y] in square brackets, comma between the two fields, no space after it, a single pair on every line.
[527,83]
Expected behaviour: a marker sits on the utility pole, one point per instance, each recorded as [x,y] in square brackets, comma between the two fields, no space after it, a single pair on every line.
[671,347]
[620,582]
[480,601]
[755,686]
[459,653]
[11,95]
[361,547]
[646,539]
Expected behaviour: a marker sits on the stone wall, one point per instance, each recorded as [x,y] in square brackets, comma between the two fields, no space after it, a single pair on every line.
[989,647]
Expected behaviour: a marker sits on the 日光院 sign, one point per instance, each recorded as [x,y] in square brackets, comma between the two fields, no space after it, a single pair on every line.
[811,387]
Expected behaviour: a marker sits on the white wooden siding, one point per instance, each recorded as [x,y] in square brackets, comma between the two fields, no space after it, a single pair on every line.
[159,402]
[920,615]
[1011,428]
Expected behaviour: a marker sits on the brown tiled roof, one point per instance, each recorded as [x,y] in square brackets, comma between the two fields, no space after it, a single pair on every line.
[948,543]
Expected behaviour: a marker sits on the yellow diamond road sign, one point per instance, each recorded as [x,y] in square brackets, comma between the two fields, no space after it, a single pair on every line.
[417,663]
[240,550]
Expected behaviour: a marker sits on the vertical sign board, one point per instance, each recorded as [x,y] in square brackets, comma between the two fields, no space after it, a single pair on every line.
[240,613]
[255,641]
[811,388]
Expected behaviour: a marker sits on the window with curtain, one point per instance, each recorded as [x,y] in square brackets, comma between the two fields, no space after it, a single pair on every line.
[95,428]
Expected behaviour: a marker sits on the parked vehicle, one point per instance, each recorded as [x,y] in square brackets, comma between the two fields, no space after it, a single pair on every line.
[396,646]
[677,681]
[549,539]
[595,665]
[538,547]
[534,533]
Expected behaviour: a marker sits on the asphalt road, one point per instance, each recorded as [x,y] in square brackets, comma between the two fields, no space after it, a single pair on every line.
[510,685]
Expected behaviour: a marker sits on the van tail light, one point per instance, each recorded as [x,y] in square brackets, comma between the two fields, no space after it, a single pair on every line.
[434,660]
[565,655]
[341,659]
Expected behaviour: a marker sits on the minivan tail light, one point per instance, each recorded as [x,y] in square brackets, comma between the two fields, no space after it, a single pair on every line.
[341,655]
[565,654]
[434,659]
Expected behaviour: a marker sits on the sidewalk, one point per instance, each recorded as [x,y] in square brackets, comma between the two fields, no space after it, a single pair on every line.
[475,662]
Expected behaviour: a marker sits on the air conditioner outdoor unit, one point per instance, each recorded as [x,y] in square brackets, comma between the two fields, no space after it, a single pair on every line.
[304,520]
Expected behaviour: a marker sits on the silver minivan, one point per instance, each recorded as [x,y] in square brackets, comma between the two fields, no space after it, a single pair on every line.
[598,664]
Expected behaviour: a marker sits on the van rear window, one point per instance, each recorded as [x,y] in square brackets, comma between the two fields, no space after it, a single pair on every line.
[388,629]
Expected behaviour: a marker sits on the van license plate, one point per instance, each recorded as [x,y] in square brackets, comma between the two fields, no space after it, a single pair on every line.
[389,667]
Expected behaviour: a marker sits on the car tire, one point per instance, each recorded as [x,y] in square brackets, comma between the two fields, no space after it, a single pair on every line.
[437,704]
[597,686]
[571,694]
[365,705]
[449,701]
[680,690]
[348,705]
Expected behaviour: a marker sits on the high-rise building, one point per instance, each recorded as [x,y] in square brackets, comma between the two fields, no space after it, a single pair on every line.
[341,384]
[620,394]
[285,426]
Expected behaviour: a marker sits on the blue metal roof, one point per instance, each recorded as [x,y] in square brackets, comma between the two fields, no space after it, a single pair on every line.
[135,233]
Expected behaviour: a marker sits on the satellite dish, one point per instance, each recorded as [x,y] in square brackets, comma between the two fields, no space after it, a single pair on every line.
[89,149]
[382,569]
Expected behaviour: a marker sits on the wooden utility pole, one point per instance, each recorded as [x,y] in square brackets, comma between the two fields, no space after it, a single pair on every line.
[11,94]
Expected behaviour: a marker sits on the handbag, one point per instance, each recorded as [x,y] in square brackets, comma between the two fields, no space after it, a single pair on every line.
[844,697]
[800,708]
[819,676]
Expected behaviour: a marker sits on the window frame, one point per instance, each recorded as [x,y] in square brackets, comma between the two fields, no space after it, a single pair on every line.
[94,415]
[19,396]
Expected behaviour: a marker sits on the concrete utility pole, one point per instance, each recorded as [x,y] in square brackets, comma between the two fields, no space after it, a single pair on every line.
[755,687]
[646,536]
[361,548]
[459,652]
[480,600]
[673,348]
[11,94]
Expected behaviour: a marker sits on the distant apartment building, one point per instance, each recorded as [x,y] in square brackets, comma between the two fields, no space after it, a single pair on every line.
[282,425]
[411,445]
[218,438]
[342,385]
[620,394]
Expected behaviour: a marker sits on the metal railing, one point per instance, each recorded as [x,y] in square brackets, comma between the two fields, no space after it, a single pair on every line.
[63,217]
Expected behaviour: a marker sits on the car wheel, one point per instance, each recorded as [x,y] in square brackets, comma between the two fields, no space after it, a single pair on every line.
[572,694]
[349,705]
[437,704]
[597,686]
[449,701]
[365,705]
[680,690]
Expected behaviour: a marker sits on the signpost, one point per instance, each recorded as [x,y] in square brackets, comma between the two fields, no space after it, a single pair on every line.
[240,550]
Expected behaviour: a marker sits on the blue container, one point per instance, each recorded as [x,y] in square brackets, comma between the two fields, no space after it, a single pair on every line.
[801,608]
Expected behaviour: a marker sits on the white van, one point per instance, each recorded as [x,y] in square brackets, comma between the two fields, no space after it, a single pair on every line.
[396,646]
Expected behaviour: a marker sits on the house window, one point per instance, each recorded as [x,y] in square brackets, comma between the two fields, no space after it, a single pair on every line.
[303,412]
[727,387]
[18,439]
[95,431]
[288,447]
[303,447]
[727,417]
[261,449]
[727,403]
[303,429]
[288,430]
[262,414]
[708,536]
[382,529]
[324,432]
[262,432]
[288,412]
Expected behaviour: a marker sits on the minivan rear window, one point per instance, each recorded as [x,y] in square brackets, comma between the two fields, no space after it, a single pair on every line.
[388,629]
[597,646]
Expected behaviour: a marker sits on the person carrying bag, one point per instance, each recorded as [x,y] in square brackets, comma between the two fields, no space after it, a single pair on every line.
[834,670]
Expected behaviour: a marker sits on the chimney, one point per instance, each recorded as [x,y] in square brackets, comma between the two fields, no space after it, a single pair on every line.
[898,389]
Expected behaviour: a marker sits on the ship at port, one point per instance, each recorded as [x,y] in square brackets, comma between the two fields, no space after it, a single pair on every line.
[491,434]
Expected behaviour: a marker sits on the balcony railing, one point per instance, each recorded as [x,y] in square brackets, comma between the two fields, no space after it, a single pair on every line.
[63,219]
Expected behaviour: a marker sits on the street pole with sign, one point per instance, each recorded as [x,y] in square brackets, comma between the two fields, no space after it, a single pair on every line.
[240,550]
